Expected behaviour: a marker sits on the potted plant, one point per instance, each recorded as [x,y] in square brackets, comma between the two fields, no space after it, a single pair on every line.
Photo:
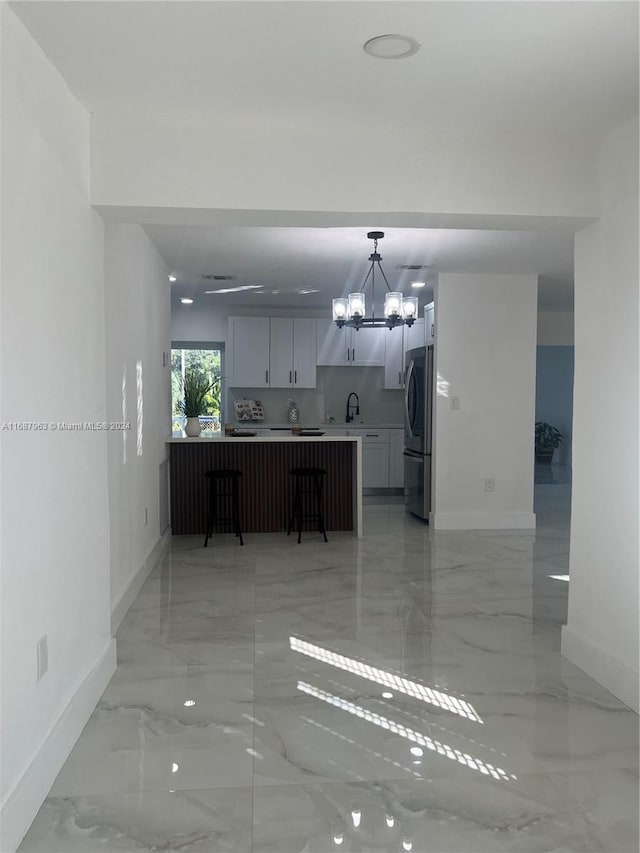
[195,388]
[547,438]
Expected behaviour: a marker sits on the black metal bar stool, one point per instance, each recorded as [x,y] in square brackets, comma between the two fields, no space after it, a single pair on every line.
[223,487]
[307,499]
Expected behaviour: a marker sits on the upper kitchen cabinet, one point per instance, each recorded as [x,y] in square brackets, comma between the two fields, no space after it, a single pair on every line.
[429,323]
[292,358]
[348,347]
[276,352]
[248,346]
[414,336]
[394,358]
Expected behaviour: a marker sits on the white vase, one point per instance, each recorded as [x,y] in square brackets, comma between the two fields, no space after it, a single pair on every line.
[193,427]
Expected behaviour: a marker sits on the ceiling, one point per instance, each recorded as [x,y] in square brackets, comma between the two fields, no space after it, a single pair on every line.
[529,67]
[522,66]
[334,261]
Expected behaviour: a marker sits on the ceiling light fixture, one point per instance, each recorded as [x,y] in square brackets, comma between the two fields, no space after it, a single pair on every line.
[236,289]
[186,301]
[398,310]
[391,46]
[418,283]
[173,278]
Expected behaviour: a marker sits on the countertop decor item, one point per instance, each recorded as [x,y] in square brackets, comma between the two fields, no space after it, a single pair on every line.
[399,310]
[293,413]
[249,410]
[547,438]
[195,388]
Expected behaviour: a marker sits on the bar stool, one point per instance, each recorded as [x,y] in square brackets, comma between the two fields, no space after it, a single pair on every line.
[307,496]
[223,486]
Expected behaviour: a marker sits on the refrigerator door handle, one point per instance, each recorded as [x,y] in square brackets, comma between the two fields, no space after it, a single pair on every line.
[407,391]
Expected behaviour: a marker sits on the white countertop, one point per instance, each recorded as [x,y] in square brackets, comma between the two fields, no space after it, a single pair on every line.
[318,425]
[263,439]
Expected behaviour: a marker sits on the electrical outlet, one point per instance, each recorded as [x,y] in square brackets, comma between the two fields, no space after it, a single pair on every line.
[455,403]
[42,654]
[489,485]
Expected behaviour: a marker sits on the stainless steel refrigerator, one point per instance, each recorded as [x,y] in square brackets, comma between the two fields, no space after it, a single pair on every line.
[418,416]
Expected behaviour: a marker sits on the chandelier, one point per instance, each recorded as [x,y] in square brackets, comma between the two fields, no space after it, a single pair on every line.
[399,310]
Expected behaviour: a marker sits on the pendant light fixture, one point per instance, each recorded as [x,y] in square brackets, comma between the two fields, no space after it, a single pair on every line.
[399,310]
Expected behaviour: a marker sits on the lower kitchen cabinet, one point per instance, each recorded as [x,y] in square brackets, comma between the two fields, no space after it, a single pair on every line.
[382,449]
[375,465]
[375,457]
[396,461]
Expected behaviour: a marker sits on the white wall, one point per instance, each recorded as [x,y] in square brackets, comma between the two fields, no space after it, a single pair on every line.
[55,524]
[601,634]
[240,163]
[485,356]
[137,333]
[555,329]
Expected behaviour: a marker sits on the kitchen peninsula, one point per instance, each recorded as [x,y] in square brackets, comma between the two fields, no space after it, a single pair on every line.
[265,486]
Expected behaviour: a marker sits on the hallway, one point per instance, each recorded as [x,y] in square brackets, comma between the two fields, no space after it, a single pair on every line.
[402,692]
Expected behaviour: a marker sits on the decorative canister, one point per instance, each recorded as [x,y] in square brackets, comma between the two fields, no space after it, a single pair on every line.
[294,413]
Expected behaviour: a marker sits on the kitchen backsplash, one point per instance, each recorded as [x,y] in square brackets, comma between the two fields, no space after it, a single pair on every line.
[334,385]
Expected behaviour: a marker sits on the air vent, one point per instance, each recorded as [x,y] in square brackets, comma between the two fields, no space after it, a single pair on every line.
[219,277]
[413,267]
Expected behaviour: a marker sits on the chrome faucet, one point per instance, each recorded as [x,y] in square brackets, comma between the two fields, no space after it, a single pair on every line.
[349,416]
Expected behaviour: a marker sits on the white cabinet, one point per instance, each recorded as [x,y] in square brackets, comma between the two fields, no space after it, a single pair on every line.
[429,324]
[276,352]
[292,357]
[396,461]
[346,346]
[414,336]
[375,457]
[367,347]
[375,465]
[332,344]
[248,342]
[394,358]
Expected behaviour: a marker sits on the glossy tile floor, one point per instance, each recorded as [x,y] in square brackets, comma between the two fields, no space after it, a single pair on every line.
[405,692]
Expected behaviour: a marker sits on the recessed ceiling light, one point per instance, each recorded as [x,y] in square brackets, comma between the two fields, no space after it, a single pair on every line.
[173,278]
[235,289]
[186,301]
[391,46]
[418,283]
[310,290]
[189,703]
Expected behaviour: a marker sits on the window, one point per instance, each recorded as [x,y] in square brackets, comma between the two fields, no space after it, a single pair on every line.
[205,359]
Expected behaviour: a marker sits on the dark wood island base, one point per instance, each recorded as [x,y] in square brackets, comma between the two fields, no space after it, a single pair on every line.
[266,487]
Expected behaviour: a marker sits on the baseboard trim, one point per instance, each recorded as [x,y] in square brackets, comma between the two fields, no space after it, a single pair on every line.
[28,794]
[606,670]
[482,520]
[128,595]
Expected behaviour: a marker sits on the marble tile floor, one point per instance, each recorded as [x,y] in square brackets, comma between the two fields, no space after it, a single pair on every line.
[404,692]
